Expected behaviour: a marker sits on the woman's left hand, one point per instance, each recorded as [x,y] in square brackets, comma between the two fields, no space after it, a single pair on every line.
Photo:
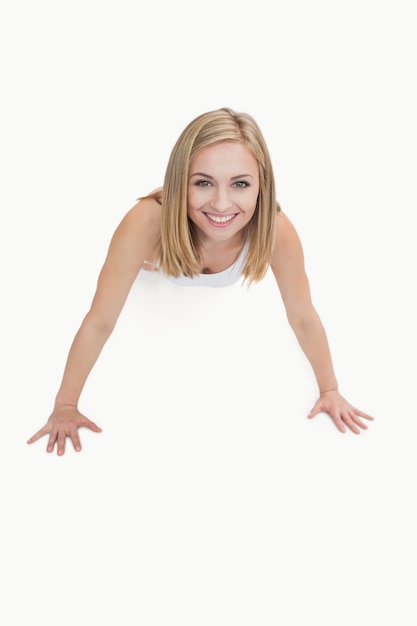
[341,411]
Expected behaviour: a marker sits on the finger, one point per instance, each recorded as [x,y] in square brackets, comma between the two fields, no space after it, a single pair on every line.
[51,442]
[338,421]
[92,426]
[62,436]
[340,425]
[37,435]
[314,411]
[350,422]
[362,414]
[75,439]
[359,422]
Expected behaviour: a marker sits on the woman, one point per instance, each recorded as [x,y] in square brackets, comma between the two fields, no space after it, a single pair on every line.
[216,218]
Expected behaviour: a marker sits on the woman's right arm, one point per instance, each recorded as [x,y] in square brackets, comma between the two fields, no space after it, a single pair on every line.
[135,240]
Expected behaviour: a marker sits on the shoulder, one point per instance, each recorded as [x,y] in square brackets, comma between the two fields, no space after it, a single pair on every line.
[287,264]
[287,242]
[138,234]
[144,216]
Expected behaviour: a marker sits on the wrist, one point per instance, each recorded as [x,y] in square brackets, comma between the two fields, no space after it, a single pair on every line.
[322,392]
[65,402]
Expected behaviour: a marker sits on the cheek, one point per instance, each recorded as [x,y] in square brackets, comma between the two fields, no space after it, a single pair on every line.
[192,199]
[252,202]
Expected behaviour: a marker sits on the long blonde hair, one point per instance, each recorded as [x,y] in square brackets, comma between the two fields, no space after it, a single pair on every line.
[178,253]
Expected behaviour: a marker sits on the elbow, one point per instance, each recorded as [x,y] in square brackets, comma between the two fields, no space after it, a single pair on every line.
[303,322]
[102,325]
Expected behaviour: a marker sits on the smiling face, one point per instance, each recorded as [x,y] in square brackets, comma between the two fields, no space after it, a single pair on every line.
[223,187]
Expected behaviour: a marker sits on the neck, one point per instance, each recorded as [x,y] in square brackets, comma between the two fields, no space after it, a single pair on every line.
[203,243]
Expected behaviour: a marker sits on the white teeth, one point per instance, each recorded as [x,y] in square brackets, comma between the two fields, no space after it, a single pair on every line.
[220,220]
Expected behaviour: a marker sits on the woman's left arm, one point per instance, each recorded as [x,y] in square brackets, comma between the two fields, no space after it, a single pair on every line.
[287,264]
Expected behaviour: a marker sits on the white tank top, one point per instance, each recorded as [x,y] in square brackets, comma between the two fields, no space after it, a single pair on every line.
[227,277]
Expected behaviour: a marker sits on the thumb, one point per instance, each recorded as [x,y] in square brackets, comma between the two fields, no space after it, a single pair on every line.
[315,410]
[92,426]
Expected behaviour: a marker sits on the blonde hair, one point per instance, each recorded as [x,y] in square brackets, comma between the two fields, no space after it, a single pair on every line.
[178,253]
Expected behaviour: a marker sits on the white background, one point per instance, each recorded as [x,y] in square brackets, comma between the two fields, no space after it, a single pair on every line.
[209,498]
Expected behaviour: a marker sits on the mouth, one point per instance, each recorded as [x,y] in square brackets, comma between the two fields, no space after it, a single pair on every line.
[220,220]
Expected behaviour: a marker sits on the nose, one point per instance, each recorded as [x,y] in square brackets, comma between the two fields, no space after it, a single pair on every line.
[221,200]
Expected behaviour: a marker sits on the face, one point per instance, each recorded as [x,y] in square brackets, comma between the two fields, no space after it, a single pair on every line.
[223,187]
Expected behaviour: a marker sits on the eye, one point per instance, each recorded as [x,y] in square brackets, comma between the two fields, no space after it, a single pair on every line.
[202,183]
[241,184]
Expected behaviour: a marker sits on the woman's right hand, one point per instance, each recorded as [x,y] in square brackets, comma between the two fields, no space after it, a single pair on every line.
[64,422]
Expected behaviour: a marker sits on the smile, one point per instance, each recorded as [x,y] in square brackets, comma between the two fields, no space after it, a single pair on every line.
[220,219]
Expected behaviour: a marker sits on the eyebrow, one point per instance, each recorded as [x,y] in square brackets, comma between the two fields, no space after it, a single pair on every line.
[212,178]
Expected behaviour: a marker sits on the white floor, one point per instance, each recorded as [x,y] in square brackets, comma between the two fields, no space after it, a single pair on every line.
[209,498]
